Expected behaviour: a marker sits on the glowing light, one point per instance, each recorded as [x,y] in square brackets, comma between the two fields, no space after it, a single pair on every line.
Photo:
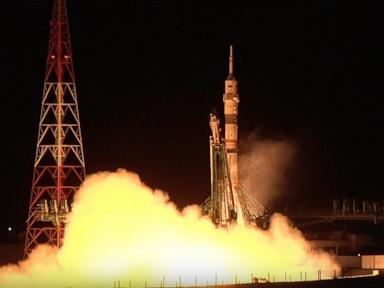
[122,230]
[9,229]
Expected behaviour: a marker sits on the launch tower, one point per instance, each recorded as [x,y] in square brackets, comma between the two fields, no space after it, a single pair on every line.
[59,167]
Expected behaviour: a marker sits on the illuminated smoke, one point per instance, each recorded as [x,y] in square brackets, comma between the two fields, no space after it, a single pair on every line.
[263,165]
[122,230]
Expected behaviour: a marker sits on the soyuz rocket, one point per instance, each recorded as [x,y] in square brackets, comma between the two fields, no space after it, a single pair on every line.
[229,202]
[231,102]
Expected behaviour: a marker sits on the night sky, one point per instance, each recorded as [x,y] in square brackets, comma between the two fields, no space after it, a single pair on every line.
[148,75]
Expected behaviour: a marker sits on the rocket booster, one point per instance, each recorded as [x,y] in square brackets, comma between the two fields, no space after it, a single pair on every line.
[231,102]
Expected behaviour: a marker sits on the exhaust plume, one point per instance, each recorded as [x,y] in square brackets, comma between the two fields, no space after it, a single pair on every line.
[120,229]
[263,166]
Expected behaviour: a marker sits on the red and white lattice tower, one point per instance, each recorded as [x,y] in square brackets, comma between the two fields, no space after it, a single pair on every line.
[59,167]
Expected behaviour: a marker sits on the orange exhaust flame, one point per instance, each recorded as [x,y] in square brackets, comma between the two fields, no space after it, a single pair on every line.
[122,230]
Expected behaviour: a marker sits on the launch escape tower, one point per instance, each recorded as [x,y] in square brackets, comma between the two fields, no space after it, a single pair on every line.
[59,167]
[228,202]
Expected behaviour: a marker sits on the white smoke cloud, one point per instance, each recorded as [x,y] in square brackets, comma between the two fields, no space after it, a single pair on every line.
[120,229]
[263,165]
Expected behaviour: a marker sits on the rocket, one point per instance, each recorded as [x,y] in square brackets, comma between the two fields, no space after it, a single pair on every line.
[231,102]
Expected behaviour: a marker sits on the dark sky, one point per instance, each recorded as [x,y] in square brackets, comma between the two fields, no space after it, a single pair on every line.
[148,75]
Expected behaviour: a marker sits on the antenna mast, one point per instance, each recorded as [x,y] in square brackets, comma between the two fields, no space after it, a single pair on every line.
[59,167]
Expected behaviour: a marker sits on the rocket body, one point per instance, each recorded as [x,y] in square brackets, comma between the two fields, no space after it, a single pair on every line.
[231,102]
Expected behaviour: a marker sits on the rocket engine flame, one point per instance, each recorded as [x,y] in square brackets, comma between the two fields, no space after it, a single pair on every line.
[120,229]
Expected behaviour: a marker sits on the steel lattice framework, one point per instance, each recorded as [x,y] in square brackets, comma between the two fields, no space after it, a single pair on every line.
[223,203]
[59,167]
